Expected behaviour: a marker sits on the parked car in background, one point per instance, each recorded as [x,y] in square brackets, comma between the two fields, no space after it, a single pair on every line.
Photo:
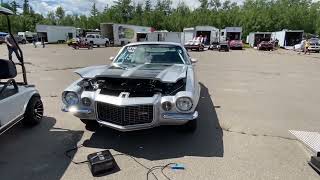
[194,45]
[299,47]
[214,46]
[20,39]
[147,85]
[223,46]
[236,44]
[314,45]
[265,45]
[97,40]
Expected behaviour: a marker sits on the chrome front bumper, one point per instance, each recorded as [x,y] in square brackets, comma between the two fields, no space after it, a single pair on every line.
[163,119]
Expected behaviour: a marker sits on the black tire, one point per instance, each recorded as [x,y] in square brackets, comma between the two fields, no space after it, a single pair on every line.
[24,42]
[34,112]
[98,46]
[91,125]
[106,44]
[190,126]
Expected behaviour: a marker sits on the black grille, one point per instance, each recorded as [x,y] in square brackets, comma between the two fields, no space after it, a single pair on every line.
[128,115]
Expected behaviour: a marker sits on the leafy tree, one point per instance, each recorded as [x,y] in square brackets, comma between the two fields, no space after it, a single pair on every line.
[60,14]
[94,10]
[26,7]
[147,7]
[14,6]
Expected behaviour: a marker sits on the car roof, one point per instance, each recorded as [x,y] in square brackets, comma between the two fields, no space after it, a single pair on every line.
[5,11]
[154,43]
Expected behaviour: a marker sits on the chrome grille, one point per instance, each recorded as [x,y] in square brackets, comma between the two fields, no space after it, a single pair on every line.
[127,115]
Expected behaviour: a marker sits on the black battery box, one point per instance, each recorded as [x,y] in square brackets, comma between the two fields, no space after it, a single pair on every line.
[101,162]
[315,163]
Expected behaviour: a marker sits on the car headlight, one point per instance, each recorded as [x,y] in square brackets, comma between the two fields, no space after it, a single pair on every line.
[71,98]
[184,103]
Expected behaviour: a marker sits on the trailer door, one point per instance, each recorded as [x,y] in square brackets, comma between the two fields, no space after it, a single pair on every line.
[173,37]
[188,36]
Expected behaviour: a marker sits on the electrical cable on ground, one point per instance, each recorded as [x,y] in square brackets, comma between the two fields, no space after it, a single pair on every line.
[150,170]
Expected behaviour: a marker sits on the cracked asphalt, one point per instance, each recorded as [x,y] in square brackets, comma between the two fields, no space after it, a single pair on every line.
[249,101]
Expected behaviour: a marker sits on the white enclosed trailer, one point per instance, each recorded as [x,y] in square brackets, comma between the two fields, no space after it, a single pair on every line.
[254,38]
[56,34]
[288,38]
[165,36]
[209,33]
[230,33]
[122,34]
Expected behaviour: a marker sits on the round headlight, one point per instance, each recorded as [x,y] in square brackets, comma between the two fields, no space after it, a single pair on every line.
[184,104]
[71,98]
[166,106]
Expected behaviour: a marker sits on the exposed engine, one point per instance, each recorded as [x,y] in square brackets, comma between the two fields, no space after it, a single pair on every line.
[139,87]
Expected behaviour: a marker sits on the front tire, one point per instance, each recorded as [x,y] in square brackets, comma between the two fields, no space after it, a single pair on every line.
[91,125]
[34,111]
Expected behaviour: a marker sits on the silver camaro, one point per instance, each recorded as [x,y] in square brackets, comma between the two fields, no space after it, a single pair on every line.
[147,85]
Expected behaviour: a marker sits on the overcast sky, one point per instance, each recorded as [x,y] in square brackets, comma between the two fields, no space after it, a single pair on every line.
[84,6]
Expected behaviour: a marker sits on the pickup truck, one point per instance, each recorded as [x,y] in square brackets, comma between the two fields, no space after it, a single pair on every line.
[98,40]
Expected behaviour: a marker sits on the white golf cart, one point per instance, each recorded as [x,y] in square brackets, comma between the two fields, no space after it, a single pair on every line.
[19,101]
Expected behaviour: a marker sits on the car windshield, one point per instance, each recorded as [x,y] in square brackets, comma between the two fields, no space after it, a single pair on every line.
[143,54]
[314,40]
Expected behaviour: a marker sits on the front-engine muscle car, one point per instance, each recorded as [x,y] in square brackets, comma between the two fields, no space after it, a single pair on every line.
[147,85]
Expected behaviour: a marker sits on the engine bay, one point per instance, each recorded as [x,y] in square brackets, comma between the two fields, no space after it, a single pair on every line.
[138,87]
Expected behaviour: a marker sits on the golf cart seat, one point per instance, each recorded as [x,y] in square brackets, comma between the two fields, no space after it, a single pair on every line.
[7,71]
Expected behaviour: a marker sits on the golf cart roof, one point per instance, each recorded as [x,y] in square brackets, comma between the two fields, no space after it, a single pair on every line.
[5,11]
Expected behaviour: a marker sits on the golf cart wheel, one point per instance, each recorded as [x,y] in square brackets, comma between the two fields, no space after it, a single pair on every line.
[91,125]
[190,126]
[34,111]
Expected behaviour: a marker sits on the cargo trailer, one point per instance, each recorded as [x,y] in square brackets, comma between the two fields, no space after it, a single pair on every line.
[122,34]
[254,38]
[209,33]
[55,34]
[230,33]
[288,38]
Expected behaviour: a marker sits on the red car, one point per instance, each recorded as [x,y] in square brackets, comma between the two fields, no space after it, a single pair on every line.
[265,45]
[236,44]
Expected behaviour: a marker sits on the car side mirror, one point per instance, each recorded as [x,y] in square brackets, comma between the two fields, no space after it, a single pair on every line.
[193,60]
[111,58]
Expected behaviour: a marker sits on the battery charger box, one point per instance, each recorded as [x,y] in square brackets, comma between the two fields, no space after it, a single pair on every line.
[101,162]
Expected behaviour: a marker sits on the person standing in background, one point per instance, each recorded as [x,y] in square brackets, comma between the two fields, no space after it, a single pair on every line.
[42,42]
[306,47]
[11,45]
[34,42]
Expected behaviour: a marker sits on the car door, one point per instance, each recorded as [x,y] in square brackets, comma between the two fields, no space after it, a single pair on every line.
[99,40]
[11,106]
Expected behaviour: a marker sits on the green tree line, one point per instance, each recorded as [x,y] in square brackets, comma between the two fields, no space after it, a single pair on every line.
[252,15]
